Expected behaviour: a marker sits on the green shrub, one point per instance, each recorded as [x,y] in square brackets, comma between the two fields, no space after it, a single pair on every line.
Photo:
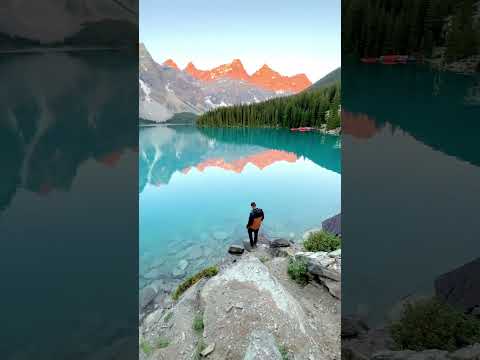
[198,323]
[321,241]
[264,259]
[284,352]
[146,347]
[208,272]
[298,271]
[162,342]
[431,324]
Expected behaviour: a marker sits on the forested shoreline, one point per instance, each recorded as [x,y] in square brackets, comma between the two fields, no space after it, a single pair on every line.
[312,108]
[410,27]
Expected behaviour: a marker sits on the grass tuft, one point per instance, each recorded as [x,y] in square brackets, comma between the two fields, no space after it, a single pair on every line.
[284,352]
[146,347]
[192,280]
[162,342]
[198,323]
[167,317]
[298,271]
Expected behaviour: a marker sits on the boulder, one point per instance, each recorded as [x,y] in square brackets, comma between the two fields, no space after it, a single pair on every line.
[262,346]
[183,264]
[467,353]
[275,243]
[178,273]
[336,253]
[236,249]
[353,326]
[321,264]
[266,305]
[457,287]
[146,296]
[363,347]
[334,287]
[410,355]
[208,350]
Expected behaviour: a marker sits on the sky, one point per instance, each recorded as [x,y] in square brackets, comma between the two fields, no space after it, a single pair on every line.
[290,36]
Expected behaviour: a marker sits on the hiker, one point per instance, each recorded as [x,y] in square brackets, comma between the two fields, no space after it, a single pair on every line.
[254,222]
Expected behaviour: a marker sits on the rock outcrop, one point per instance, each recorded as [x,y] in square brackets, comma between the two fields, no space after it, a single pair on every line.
[250,310]
[262,346]
[325,267]
[460,288]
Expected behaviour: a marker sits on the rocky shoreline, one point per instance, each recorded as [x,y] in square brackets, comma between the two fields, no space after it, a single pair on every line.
[251,309]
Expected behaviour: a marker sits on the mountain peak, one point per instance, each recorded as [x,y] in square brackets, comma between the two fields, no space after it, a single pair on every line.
[269,79]
[190,65]
[171,63]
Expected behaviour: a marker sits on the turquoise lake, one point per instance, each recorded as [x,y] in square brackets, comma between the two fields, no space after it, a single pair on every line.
[196,185]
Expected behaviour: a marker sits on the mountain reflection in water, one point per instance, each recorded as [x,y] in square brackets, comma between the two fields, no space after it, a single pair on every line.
[196,186]
[411,183]
[68,144]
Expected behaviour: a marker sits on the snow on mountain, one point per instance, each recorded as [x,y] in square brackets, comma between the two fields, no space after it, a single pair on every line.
[164,90]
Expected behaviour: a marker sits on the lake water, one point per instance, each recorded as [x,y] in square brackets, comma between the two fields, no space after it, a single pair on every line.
[411,182]
[68,244]
[196,186]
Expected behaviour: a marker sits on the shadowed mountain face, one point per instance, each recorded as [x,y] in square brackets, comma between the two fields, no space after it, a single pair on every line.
[411,184]
[63,22]
[166,150]
[329,79]
[68,143]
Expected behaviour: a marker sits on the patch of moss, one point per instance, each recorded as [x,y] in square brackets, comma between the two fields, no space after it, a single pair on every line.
[192,280]
[432,324]
[298,271]
[264,259]
[162,342]
[167,317]
[146,347]
[321,241]
[198,323]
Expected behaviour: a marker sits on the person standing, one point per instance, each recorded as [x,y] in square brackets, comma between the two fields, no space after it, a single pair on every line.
[254,222]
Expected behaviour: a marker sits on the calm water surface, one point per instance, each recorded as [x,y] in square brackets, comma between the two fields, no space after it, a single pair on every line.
[68,245]
[196,187]
[411,182]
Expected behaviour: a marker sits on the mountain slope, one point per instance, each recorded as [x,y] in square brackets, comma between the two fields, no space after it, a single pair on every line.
[329,79]
[164,90]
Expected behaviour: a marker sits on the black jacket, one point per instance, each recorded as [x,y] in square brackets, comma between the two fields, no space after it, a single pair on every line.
[255,213]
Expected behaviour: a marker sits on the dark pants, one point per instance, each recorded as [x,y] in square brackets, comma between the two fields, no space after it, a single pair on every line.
[250,232]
